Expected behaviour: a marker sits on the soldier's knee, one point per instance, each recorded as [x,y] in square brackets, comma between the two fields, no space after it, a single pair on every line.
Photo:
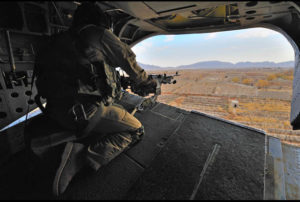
[118,114]
[132,121]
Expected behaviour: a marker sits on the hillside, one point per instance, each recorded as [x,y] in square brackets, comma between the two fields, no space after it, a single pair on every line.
[223,65]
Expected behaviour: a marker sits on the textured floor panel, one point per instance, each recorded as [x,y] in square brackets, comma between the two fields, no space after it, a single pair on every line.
[157,131]
[169,111]
[237,172]
[109,183]
[166,164]
[19,181]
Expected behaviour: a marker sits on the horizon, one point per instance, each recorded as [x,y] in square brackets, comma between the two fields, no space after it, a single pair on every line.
[246,45]
[220,61]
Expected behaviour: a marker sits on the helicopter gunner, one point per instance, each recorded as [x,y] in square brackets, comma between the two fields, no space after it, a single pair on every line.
[76,74]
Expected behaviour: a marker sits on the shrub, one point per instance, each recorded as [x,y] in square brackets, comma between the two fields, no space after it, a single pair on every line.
[271,77]
[235,79]
[287,75]
[287,125]
[247,81]
[262,83]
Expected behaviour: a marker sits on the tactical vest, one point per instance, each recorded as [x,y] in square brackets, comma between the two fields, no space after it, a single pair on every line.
[65,76]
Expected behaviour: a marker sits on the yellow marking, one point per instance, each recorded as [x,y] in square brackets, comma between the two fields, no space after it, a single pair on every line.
[220,11]
[178,19]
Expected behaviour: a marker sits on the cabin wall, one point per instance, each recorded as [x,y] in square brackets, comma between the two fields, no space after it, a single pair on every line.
[24,24]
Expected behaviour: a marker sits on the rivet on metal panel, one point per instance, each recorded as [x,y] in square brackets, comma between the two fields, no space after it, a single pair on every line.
[251,12]
[19,110]
[251,3]
[3,115]
[28,93]
[30,102]
[14,94]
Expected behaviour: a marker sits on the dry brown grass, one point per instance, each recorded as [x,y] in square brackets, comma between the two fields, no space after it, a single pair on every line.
[177,102]
[247,81]
[262,83]
[194,91]
[286,75]
[267,106]
[235,79]
[271,77]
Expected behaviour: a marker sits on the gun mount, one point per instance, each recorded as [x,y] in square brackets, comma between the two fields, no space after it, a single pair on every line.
[160,79]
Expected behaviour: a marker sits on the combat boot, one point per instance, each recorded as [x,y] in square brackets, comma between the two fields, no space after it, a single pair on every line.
[107,149]
[112,145]
[72,160]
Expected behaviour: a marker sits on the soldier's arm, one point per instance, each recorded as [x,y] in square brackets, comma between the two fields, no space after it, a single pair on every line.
[119,54]
[99,43]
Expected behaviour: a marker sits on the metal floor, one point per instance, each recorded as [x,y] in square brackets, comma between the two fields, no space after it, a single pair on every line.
[171,162]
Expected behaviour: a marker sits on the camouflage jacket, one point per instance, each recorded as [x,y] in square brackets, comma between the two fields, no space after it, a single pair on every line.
[80,68]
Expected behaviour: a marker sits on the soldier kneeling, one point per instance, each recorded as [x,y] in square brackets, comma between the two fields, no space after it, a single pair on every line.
[76,74]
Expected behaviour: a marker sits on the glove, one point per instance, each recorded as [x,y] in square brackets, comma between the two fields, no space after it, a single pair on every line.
[145,88]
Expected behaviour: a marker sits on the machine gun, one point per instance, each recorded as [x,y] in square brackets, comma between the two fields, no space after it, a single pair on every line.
[160,79]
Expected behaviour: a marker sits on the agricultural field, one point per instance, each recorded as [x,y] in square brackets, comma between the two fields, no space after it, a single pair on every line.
[259,98]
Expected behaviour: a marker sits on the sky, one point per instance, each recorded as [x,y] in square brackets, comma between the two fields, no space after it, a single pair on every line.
[253,45]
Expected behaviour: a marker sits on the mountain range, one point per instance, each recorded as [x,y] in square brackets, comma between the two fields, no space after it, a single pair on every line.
[223,65]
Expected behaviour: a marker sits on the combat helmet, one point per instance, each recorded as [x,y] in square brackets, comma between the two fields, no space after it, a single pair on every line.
[90,13]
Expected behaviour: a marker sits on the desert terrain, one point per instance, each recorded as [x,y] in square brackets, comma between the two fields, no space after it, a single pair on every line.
[259,98]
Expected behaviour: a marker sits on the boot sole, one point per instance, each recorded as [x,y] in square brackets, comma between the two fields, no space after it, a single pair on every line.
[66,154]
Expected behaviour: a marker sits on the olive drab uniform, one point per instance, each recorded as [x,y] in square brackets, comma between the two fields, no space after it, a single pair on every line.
[76,73]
